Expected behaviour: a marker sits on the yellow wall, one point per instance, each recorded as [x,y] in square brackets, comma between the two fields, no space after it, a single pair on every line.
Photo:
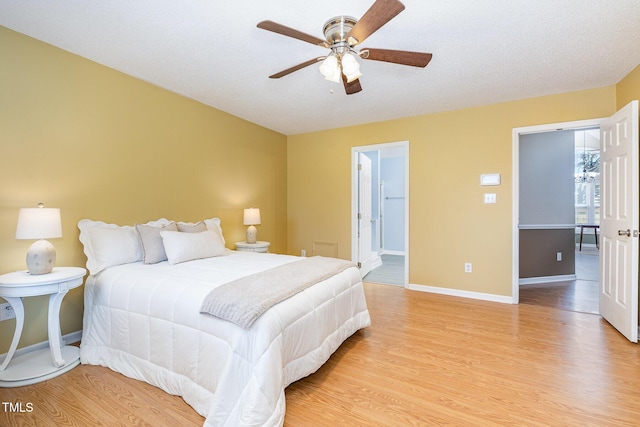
[99,144]
[629,88]
[449,223]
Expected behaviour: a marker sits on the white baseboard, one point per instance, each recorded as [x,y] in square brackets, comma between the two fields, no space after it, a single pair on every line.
[385,252]
[585,246]
[70,338]
[546,279]
[458,293]
[376,262]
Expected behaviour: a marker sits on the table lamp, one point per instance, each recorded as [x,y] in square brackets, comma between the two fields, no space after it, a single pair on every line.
[252,218]
[39,223]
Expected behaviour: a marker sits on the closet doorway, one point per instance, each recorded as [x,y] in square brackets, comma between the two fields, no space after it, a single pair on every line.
[380,212]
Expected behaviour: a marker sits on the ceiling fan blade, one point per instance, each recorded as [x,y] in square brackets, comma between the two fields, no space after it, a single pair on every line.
[381,12]
[290,32]
[403,57]
[352,87]
[295,68]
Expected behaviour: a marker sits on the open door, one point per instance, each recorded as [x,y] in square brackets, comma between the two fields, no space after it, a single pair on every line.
[619,221]
[364,214]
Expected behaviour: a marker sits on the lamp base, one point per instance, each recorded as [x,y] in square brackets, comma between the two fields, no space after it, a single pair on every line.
[252,234]
[41,257]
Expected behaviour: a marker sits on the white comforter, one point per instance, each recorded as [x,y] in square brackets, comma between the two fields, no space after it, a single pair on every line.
[144,321]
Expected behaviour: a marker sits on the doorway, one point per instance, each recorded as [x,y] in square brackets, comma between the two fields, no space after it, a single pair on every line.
[566,225]
[559,219]
[380,212]
[620,215]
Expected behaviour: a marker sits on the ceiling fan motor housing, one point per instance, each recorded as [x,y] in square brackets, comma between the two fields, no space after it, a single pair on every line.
[336,29]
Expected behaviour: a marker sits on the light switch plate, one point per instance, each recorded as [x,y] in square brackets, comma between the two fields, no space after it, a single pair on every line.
[490,197]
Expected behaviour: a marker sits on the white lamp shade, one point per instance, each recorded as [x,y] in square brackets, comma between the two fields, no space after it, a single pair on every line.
[252,216]
[39,223]
[329,66]
[334,77]
[349,64]
[330,69]
[350,67]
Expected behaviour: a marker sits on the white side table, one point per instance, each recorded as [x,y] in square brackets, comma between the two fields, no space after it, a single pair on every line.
[258,246]
[39,365]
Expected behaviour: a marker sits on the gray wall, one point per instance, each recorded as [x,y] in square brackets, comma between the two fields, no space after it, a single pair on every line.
[538,249]
[547,188]
[547,204]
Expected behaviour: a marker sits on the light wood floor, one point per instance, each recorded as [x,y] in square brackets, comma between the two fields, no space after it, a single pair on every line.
[426,360]
[582,294]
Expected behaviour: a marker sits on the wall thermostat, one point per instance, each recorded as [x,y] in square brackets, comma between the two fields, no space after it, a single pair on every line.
[490,179]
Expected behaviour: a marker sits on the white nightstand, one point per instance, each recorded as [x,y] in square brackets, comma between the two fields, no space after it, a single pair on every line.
[253,247]
[46,363]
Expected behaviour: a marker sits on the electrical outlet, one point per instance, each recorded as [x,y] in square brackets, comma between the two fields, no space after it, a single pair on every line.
[468,267]
[6,312]
[559,256]
[303,252]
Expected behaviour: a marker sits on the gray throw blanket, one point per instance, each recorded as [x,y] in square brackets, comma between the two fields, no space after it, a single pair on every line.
[242,301]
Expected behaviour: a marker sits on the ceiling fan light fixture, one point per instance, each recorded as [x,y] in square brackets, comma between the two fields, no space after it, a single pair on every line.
[328,66]
[350,67]
[349,63]
[352,77]
[335,77]
[330,69]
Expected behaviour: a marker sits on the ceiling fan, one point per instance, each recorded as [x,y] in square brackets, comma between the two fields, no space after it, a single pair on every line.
[342,34]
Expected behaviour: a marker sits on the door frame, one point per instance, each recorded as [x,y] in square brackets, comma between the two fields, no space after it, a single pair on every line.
[365,251]
[575,125]
[355,192]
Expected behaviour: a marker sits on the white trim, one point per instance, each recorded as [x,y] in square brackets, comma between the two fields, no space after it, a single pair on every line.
[586,245]
[376,262]
[547,227]
[547,279]
[459,293]
[575,125]
[515,164]
[70,338]
[401,253]
[354,198]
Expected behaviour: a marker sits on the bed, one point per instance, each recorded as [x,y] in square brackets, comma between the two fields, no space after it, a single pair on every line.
[143,319]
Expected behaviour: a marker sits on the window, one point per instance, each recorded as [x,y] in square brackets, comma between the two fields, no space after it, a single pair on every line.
[587,176]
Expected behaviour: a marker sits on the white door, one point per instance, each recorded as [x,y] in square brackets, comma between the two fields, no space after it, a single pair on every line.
[619,221]
[364,214]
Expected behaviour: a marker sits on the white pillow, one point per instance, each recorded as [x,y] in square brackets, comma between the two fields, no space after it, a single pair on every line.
[106,245]
[214,224]
[182,247]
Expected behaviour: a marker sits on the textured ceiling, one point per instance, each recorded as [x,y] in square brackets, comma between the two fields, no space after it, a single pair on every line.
[484,51]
